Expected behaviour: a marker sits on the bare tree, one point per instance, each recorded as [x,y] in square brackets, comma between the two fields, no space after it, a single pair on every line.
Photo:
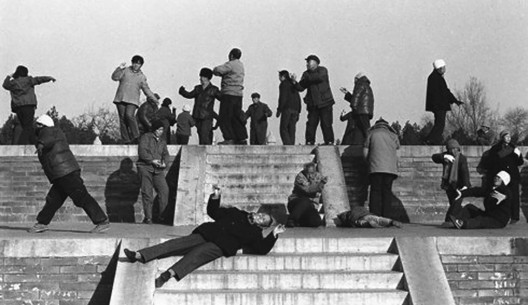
[516,121]
[103,121]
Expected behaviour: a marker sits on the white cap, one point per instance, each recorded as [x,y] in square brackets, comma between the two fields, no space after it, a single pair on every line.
[359,75]
[45,120]
[186,107]
[505,177]
[439,63]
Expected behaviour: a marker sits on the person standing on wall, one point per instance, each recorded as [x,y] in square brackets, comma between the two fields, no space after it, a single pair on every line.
[259,113]
[63,172]
[184,122]
[362,104]
[438,101]
[231,117]
[167,117]
[147,113]
[24,101]
[131,81]
[204,96]
[288,109]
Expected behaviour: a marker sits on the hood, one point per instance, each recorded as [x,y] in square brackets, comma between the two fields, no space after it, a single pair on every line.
[383,124]
[364,79]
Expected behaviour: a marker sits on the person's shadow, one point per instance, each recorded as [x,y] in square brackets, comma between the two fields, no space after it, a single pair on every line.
[121,192]
[524,189]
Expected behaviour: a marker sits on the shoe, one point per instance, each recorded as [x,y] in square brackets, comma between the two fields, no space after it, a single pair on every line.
[131,255]
[514,221]
[227,142]
[101,228]
[397,224]
[458,223]
[241,142]
[147,221]
[447,225]
[38,228]
[162,279]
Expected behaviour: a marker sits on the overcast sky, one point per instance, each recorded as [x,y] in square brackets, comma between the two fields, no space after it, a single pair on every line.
[394,42]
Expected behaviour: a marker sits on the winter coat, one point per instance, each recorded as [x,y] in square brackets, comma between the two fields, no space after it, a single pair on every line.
[151,148]
[259,113]
[204,100]
[146,114]
[232,231]
[232,73]
[382,143]
[499,210]
[486,138]
[130,84]
[289,98]
[55,155]
[184,122]
[438,96]
[362,99]
[319,94]
[510,162]
[307,187]
[22,90]
[463,171]
[166,116]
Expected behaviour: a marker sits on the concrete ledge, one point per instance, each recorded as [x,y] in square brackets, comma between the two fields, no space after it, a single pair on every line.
[82,150]
[489,245]
[44,247]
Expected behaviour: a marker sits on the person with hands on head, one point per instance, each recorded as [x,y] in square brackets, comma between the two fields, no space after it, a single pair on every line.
[230,231]
[152,162]
[455,176]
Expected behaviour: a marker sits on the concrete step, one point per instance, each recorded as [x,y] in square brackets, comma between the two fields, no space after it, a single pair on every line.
[253,198]
[278,297]
[271,187]
[239,178]
[260,149]
[333,245]
[262,168]
[297,262]
[286,280]
[259,159]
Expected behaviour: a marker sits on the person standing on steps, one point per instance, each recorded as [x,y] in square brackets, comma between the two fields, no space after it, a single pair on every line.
[319,100]
[455,176]
[21,86]
[438,101]
[63,172]
[167,117]
[184,122]
[288,109]
[231,230]
[131,81]
[259,113]
[204,96]
[362,104]
[231,117]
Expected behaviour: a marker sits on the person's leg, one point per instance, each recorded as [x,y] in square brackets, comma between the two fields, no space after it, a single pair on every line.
[54,200]
[483,221]
[327,119]
[207,132]
[121,107]
[73,186]
[311,125]
[261,133]
[225,117]
[435,136]
[162,189]
[363,124]
[375,200]
[292,127]
[25,115]
[515,199]
[195,258]
[173,247]
[238,121]
[303,212]
[185,140]
[455,206]
[130,117]
[284,128]
[147,197]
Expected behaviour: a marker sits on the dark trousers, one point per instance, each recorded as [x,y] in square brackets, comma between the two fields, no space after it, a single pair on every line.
[288,122]
[26,115]
[258,132]
[151,181]
[71,186]
[127,121]
[231,118]
[455,206]
[196,252]
[515,199]
[381,193]
[326,117]
[166,134]
[205,131]
[475,218]
[181,139]
[363,125]
[435,136]
[303,213]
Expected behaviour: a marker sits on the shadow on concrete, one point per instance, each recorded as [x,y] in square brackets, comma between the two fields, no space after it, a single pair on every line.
[397,211]
[103,291]
[172,181]
[524,190]
[121,192]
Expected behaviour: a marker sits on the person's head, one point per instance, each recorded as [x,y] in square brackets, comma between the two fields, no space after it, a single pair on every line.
[284,75]
[312,62]
[21,71]
[485,128]
[358,76]
[157,128]
[127,165]
[44,121]
[255,97]
[186,108]
[440,66]
[502,177]
[309,168]
[453,147]
[505,137]
[235,53]
[137,62]
[166,102]
[205,76]
[261,219]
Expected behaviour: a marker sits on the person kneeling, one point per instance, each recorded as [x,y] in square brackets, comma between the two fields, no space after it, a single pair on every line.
[232,230]
[360,217]
[497,206]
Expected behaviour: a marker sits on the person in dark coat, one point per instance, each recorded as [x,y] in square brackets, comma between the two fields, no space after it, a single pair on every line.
[455,176]
[232,230]
[362,103]
[485,136]
[63,172]
[438,101]
[184,122]
[147,113]
[304,203]
[167,117]
[24,101]
[288,109]
[360,217]
[259,114]
[352,134]
[504,156]
[497,206]
[204,96]
[319,100]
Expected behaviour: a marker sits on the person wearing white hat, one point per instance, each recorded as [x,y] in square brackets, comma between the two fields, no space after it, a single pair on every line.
[497,206]
[63,171]
[438,101]
[184,122]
